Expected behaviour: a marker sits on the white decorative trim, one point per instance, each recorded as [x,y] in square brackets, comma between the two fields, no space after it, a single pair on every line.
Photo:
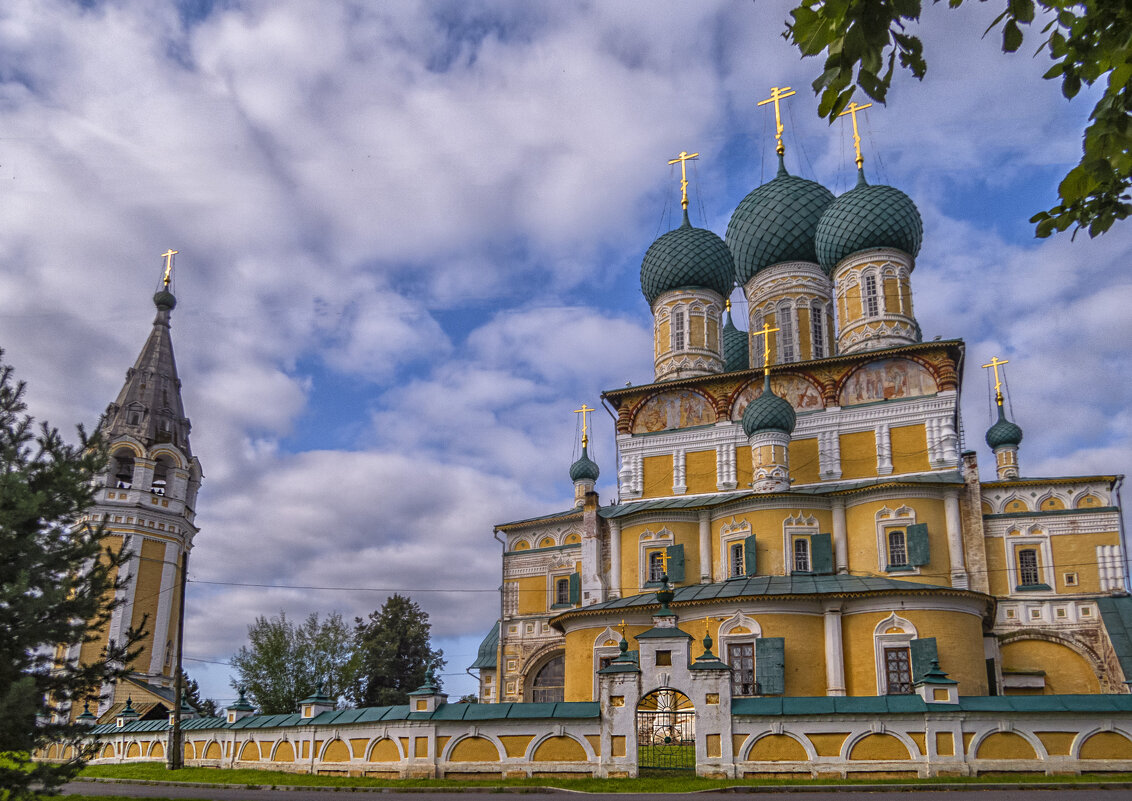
[1038,538]
[795,527]
[730,533]
[887,519]
[882,640]
[679,472]
[647,541]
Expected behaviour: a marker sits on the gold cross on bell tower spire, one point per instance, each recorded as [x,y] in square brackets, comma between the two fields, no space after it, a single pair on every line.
[585,410]
[168,256]
[765,334]
[852,109]
[684,158]
[776,94]
[994,364]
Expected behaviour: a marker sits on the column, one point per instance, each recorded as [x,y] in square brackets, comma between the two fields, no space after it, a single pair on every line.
[614,583]
[705,547]
[954,538]
[165,610]
[840,537]
[834,655]
[679,473]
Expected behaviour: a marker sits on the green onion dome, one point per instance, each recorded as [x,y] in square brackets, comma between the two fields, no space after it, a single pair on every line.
[776,223]
[736,350]
[868,217]
[686,258]
[768,412]
[164,300]
[585,468]
[1003,432]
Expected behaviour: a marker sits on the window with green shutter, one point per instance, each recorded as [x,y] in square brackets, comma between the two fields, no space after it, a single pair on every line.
[770,665]
[750,555]
[919,552]
[821,554]
[675,563]
[575,589]
[923,652]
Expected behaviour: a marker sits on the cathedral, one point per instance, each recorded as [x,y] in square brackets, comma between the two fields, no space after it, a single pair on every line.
[800,493]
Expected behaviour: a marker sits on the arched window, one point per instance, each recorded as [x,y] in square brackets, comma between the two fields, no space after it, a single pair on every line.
[817,330]
[871,301]
[160,476]
[123,469]
[897,548]
[549,685]
[786,351]
[678,334]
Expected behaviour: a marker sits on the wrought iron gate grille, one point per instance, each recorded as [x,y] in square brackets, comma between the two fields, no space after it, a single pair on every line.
[666,731]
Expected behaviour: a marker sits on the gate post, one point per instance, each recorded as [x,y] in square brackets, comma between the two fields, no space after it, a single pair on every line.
[710,693]
[619,686]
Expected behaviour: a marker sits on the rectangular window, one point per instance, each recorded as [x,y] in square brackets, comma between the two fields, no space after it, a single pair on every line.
[872,302]
[656,565]
[741,658]
[756,345]
[786,333]
[897,549]
[801,555]
[677,330]
[737,562]
[562,591]
[898,671]
[817,331]
[1028,568]
[663,658]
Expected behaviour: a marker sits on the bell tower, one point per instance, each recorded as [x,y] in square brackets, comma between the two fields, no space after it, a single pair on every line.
[147,502]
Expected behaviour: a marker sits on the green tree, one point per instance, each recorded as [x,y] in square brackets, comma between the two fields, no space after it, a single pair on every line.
[57,585]
[283,662]
[394,653]
[1089,41]
[205,706]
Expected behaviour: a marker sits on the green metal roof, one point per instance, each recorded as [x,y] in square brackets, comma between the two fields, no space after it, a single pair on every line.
[1003,432]
[768,412]
[571,512]
[584,468]
[1116,614]
[776,223]
[486,657]
[867,217]
[686,258]
[736,347]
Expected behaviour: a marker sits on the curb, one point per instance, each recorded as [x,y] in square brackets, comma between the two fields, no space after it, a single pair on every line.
[768,788]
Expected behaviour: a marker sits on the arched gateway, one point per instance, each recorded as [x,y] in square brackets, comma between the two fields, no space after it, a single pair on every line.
[666,731]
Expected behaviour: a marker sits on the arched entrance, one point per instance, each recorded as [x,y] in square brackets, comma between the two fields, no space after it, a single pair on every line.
[666,731]
[549,684]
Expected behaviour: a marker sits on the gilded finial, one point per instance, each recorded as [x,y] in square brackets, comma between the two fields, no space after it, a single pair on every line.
[995,363]
[777,94]
[684,158]
[852,110]
[585,410]
[168,256]
[727,305]
[622,627]
[765,334]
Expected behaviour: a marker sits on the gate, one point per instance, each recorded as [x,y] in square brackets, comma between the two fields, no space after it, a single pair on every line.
[666,731]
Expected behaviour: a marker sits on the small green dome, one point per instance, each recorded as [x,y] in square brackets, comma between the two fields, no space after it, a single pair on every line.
[868,217]
[736,351]
[164,300]
[585,468]
[687,257]
[776,223]
[768,412]
[1003,432]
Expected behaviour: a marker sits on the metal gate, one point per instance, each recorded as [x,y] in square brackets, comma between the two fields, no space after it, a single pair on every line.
[666,731]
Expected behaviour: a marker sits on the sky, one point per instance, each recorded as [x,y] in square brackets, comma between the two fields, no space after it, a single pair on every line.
[410,238]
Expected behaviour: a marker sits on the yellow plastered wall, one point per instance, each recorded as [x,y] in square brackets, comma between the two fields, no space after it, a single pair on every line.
[804,466]
[767,526]
[906,296]
[959,643]
[1066,671]
[891,296]
[532,595]
[385,751]
[1077,553]
[777,748]
[879,746]
[696,330]
[699,471]
[657,476]
[89,651]
[1005,745]
[250,752]
[1057,743]
[805,344]
[828,745]
[861,527]
[559,749]
[474,749]
[146,597]
[683,533]
[663,337]
[1106,745]
[804,663]
[580,662]
[996,566]
[516,744]
[284,753]
[712,334]
[858,455]
[744,466]
[909,449]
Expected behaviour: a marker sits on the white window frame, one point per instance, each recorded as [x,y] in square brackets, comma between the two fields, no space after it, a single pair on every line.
[887,520]
[736,531]
[1038,540]
[756,344]
[817,330]
[874,309]
[650,541]
[678,328]
[883,639]
[787,322]
[797,528]
[726,637]
[555,571]
[601,650]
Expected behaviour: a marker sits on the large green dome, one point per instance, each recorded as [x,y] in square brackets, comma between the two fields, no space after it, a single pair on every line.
[1003,432]
[768,412]
[776,223]
[868,217]
[736,349]
[584,468]
[686,258]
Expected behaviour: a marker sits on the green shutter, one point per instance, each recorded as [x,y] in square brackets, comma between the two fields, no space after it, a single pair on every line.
[575,588]
[923,652]
[750,555]
[770,665]
[918,550]
[821,554]
[675,563]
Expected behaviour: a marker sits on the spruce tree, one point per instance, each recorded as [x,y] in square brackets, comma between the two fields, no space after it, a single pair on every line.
[394,653]
[58,588]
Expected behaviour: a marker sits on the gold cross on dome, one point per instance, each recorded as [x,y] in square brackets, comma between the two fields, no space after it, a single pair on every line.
[995,363]
[585,410]
[168,256]
[776,94]
[852,109]
[765,334]
[684,158]
[622,627]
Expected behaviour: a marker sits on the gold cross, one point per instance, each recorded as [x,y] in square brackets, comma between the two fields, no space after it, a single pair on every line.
[765,334]
[583,412]
[622,627]
[776,94]
[664,561]
[995,363]
[684,158]
[168,256]
[852,109]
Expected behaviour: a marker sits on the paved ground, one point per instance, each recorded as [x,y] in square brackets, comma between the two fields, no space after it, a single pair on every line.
[235,793]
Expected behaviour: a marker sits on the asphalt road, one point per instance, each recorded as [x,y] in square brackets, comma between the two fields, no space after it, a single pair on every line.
[235,793]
